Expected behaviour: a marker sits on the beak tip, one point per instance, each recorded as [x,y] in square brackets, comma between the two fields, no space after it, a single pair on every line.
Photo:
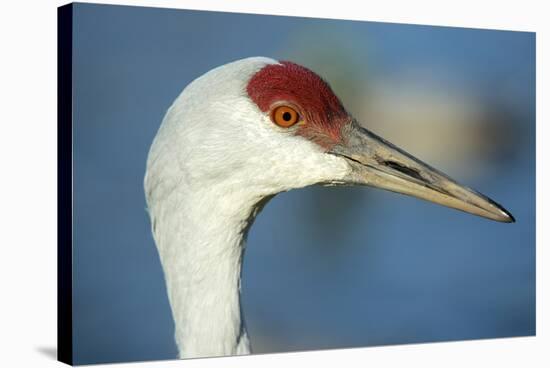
[511,218]
[506,216]
[503,214]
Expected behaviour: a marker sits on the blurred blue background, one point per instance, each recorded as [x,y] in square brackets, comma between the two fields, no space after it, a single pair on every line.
[324,267]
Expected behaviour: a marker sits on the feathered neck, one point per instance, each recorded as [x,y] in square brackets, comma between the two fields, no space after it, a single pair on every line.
[200,237]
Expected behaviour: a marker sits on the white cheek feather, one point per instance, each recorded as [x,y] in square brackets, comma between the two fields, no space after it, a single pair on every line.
[209,170]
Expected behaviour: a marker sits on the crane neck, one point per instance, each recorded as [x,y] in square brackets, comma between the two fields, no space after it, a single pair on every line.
[201,243]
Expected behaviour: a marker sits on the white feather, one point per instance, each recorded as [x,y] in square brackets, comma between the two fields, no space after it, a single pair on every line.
[215,159]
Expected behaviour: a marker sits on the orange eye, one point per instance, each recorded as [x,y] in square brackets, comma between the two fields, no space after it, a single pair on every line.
[284,116]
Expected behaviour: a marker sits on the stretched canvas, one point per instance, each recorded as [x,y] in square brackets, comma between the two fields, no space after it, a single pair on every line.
[220,176]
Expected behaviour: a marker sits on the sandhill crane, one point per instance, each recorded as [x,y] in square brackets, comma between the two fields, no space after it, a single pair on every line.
[234,138]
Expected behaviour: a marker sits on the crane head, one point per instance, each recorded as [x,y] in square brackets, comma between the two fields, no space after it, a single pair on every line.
[265,126]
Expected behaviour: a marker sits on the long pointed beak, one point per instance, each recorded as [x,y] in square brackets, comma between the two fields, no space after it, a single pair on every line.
[378,163]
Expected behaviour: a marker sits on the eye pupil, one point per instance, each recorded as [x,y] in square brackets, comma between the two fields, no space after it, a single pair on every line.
[287,116]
